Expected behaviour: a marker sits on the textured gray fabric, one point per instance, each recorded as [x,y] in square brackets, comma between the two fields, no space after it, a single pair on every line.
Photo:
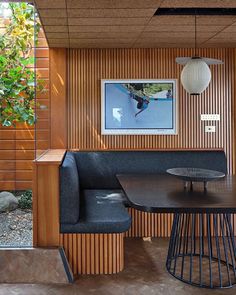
[97,170]
[69,190]
[114,196]
[100,214]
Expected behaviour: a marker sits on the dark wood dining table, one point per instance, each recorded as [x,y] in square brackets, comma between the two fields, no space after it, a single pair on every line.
[202,248]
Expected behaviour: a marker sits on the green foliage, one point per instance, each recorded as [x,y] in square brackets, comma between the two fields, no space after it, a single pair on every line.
[25,201]
[17,80]
[148,89]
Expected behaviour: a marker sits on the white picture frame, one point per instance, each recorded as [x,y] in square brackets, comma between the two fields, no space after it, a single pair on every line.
[139,107]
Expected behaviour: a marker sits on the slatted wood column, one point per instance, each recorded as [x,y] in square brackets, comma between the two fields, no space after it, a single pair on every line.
[146,224]
[94,253]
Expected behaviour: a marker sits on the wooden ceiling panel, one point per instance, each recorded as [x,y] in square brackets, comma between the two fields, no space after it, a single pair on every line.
[231,29]
[57,36]
[130,23]
[106,29]
[215,20]
[58,45]
[176,28]
[113,3]
[104,35]
[107,21]
[172,20]
[102,45]
[221,41]
[226,36]
[120,13]
[179,34]
[167,40]
[59,41]
[55,29]
[163,45]
[190,20]
[102,41]
[198,3]
[51,4]
[53,21]
[219,45]
[44,13]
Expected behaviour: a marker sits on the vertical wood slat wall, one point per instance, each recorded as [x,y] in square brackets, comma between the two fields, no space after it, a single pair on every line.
[17,145]
[86,68]
[42,126]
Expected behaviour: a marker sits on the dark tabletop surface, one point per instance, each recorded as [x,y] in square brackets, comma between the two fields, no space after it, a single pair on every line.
[165,193]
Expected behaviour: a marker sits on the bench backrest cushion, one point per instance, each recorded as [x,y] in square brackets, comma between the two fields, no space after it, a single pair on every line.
[69,190]
[98,170]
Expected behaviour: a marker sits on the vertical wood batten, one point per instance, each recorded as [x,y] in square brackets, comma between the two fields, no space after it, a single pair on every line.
[94,253]
[86,68]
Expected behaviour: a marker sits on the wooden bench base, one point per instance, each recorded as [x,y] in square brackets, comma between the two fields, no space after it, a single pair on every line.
[104,253]
[146,224]
[94,253]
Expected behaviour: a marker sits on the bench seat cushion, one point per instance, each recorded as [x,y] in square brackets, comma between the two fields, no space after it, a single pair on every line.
[98,169]
[100,213]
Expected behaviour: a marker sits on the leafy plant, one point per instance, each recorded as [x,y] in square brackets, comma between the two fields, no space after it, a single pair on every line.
[25,201]
[17,79]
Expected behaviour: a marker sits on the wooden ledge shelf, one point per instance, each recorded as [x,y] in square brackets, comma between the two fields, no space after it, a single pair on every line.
[52,157]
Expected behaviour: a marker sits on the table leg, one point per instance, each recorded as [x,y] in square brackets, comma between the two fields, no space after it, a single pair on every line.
[202,250]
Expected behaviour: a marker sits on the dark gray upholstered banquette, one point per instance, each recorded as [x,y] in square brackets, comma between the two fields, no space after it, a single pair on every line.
[91,196]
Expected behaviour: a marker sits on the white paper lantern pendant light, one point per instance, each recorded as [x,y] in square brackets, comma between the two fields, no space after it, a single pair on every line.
[196,74]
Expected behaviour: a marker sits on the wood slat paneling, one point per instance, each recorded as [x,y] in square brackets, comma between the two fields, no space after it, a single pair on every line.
[86,68]
[94,253]
[58,80]
[146,224]
[233,78]
[18,144]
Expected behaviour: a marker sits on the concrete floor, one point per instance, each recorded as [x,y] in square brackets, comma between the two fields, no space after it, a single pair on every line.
[144,274]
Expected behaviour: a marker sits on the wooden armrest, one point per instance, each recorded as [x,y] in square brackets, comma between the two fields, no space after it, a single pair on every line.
[46,198]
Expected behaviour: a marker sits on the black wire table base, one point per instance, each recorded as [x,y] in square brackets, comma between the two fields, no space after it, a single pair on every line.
[202,250]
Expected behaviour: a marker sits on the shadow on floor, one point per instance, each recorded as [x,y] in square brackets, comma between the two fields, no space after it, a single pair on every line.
[144,274]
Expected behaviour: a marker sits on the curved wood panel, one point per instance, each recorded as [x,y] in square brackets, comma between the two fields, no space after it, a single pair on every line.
[146,224]
[94,253]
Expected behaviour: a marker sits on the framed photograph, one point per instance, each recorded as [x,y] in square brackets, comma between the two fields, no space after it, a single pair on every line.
[139,107]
